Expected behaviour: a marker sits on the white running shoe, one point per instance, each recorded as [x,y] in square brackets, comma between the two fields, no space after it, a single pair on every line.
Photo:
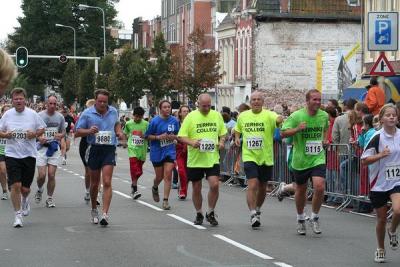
[393,240]
[301,227]
[4,196]
[18,221]
[255,221]
[95,216]
[314,223]
[38,197]
[50,203]
[104,220]
[26,208]
[380,255]
[136,195]
[87,196]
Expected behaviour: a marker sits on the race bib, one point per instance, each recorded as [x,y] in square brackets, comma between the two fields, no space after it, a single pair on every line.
[104,138]
[3,141]
[50,133]
[19,134]
[137,140]
[166,142]
[254,143]
[392,171]
[313,147]
[207,145]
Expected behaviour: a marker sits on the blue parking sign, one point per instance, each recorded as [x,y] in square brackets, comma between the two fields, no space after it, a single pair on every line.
[383,32]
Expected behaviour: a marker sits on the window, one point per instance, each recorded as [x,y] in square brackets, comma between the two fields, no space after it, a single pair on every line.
[353,2]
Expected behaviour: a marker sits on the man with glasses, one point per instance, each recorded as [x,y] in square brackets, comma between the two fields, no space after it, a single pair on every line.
[21,126]
[203,130]
[49,150]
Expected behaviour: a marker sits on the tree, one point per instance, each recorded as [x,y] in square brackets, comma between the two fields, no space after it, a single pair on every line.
[201,66]
[106,67]
[38,33]
[86,83]
[158,70]
[70,83]
[128,79]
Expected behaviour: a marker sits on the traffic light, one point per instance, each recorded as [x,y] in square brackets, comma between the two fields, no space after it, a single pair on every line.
[63,59]
[21,58]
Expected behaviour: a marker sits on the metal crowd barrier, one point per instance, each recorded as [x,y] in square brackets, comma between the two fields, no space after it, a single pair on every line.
[346,178]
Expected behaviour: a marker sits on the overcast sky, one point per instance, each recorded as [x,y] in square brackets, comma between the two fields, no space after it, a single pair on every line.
[127,11]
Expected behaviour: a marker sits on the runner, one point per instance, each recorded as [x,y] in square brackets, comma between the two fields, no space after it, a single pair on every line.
[49,153]
[181,157]
[309,127]
[162,135]
[203,130]
[21,126]
[3,170]
[83,145]
[383,155]
[101,126]
[137,147]
[257,128]
[69,122]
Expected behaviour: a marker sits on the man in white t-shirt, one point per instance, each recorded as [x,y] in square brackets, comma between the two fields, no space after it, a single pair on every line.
[49,153]
[21,126]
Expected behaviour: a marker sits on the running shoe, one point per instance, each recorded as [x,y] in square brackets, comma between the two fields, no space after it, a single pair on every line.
[136,195]
[4,196]
[314,223]
[64,161]
[95,216]
[301,227]
[199,219]
[50,203]
[87,197]
[393,240]
[211,218]
[182,196]
[104,220]
[280,193]
[165,205]
[255,221]
[174,186]
[380,255]
[26,208]
[38,197]
[156,196]
[18,221]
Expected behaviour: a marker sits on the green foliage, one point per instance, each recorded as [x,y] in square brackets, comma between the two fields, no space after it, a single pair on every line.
[37,32]
[201,67]
[70,83]
[86,83]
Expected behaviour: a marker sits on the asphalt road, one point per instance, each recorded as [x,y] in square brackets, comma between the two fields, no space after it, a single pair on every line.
[141,234]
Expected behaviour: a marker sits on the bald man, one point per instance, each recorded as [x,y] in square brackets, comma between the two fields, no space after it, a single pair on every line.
[256,127]
[203,130]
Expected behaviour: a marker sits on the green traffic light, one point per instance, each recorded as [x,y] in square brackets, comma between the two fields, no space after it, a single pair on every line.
[21,61]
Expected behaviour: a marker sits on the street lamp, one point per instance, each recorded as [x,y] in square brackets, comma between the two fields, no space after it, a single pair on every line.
[83,7]
[70,27]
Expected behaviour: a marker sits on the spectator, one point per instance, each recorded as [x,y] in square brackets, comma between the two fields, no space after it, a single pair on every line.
[375,98]
[226,115]
[243,107]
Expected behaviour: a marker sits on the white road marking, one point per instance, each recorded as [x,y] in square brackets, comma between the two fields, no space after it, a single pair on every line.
[149,205]
[121,194]
[282,264]
[76,174]
[186,221]
[245,248]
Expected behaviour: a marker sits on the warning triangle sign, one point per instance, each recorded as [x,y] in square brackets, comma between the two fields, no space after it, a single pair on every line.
[382,67]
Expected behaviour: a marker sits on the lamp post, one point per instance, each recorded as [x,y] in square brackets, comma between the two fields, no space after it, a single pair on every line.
[70,27]
[81,6]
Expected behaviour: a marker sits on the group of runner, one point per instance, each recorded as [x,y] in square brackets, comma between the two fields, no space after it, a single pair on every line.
[34,139]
